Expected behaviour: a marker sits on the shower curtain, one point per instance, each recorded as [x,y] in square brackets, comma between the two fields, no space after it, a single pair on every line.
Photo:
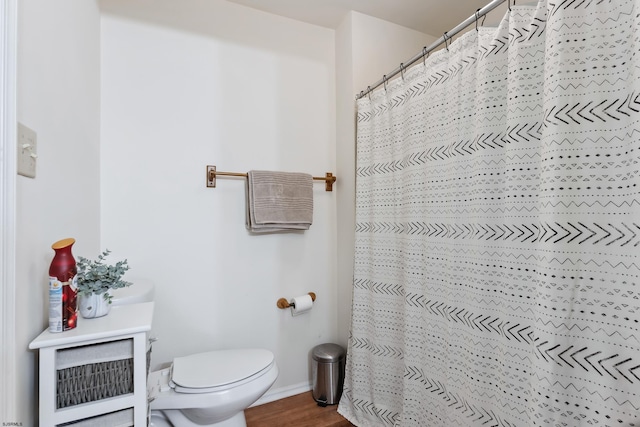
[496,278]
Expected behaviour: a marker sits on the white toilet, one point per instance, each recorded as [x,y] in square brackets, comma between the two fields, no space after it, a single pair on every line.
[204,389]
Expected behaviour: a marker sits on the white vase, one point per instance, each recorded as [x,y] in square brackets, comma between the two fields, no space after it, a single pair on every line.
[93,306]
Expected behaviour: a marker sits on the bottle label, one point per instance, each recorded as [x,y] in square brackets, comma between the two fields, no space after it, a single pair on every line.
[63,311]
[69,304]
[55,305]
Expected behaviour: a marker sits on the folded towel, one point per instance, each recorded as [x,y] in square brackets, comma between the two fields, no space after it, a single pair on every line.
[279,201]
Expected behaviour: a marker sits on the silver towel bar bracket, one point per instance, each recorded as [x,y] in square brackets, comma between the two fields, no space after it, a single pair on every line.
[329,178]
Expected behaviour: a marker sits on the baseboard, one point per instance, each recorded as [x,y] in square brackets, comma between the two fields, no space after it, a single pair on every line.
[283,392]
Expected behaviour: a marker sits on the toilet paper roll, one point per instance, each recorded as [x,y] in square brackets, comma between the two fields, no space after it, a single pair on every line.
[302,304]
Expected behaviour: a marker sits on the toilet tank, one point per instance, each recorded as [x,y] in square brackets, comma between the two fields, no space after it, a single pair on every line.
[142,290]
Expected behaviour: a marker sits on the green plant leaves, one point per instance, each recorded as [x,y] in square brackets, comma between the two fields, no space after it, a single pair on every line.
[97,277]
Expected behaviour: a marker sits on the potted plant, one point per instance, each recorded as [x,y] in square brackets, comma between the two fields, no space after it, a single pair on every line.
[95,279]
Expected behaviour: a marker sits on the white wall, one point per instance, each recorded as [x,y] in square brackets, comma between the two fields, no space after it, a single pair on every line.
[248,90]
[380,46]
[58,97]
[366,49]
[240,89]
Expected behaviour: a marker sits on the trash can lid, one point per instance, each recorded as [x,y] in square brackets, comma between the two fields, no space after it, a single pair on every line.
[328,353]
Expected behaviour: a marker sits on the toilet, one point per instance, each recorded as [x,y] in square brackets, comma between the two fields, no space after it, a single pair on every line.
[203,389]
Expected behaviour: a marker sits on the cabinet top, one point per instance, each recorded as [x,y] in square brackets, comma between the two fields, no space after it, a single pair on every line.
[121,320]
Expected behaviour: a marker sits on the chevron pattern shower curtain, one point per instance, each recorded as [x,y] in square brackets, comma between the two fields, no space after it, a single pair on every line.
[497,264]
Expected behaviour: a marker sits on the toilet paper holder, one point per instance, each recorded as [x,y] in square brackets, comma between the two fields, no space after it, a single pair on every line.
[284,303]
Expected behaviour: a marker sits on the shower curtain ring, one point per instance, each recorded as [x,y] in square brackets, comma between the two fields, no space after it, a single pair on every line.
[384,81]
[425,55]
[477,17]
[369,92]
[402,70]
[445,41]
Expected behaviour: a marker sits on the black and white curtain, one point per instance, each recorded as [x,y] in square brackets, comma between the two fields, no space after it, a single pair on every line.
[497,259]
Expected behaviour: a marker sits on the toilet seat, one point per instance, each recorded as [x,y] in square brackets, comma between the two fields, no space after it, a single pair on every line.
[216,370]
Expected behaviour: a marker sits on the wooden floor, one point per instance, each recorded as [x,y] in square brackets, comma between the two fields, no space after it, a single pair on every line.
[295,411]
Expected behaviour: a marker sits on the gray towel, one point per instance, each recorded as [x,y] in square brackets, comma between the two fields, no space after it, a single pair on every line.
[279,201]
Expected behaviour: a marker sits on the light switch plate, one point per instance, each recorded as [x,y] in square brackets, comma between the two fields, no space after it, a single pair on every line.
[27,151]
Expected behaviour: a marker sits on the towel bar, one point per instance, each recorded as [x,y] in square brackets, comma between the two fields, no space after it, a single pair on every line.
[329,179]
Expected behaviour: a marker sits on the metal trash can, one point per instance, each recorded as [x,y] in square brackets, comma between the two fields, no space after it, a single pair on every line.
[328,373]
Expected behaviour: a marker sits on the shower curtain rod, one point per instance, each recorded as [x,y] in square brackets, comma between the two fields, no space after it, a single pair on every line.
[427,49]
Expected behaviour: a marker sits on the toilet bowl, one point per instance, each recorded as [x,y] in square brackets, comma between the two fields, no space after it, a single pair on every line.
[203,389]
[212,388]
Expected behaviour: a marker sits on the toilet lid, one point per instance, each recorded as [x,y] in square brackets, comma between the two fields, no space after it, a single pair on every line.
[219,368]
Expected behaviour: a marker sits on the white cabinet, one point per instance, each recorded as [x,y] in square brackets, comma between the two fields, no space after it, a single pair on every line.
[96,374]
